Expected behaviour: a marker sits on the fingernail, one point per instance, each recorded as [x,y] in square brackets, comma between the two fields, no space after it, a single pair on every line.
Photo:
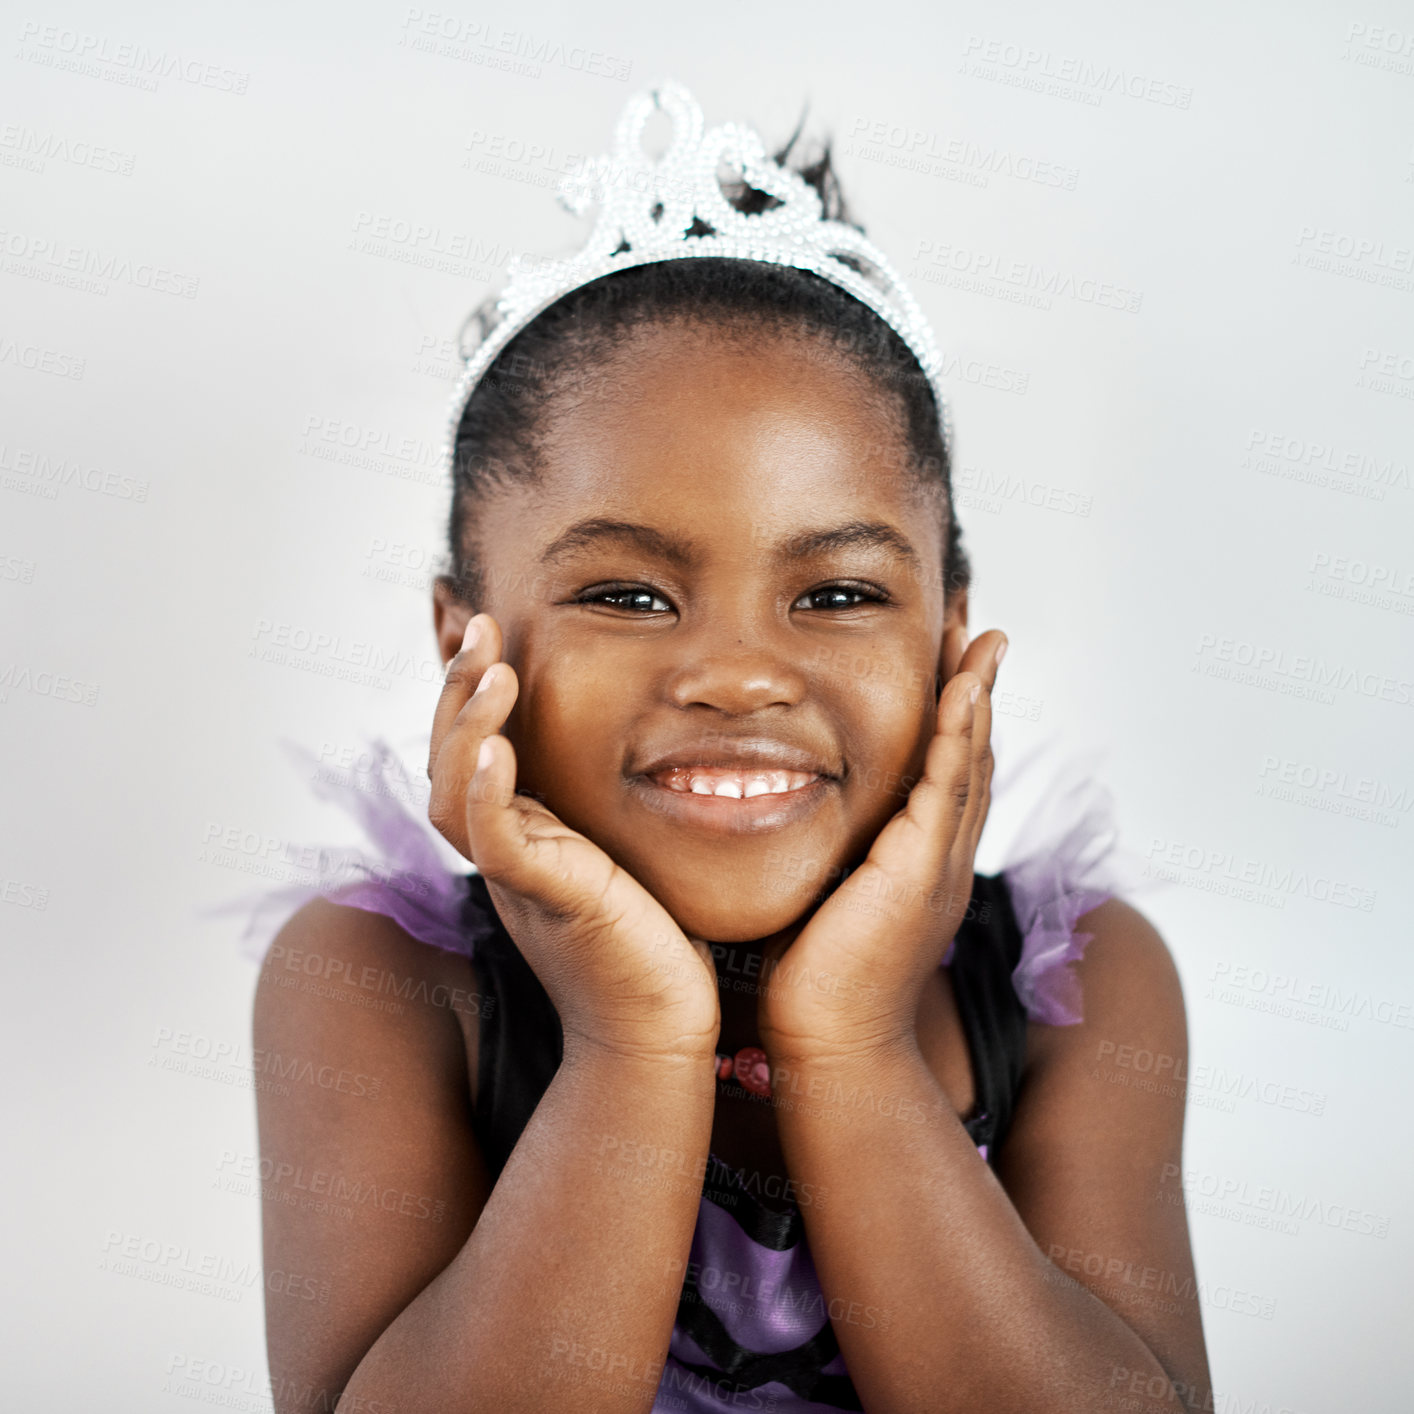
[485,679]
[1001,652]
[473,632]
[483,756]
[976,691]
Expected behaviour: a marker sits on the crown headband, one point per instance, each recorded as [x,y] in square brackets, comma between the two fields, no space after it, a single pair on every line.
[674,208]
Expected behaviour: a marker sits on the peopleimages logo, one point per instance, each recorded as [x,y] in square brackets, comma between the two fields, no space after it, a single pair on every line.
[1281,992]
[133,65]
[1308,459]
[1174,859]
[1337,792]
[1022,281]
[1278,1202]
[46,475]
[21,677]
[278,642]
[58,262]
[1065,76]
[489,44]
[40,359]
[1296,674]
[917,149]
[22,146]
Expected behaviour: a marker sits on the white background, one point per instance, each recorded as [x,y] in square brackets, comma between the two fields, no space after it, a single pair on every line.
[162,513]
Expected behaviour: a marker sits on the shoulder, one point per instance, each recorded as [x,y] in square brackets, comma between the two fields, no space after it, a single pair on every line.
[371,1175]
[1094,1160]
[349,978]
[1130,990]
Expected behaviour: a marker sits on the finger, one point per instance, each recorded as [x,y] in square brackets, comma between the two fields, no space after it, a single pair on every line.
[979,796]
[917,845]
[915,848]
[484,713]
[505,832]
[983,656]
[940,797]
[990,648]
[959,760]
[481,646]
[523,848]
[955,774]
[492,827]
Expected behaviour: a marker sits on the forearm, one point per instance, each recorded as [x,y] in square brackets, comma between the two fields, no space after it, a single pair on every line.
[967,1310]
[565,1293]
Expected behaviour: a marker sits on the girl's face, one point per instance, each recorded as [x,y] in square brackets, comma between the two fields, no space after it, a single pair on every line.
[723,566]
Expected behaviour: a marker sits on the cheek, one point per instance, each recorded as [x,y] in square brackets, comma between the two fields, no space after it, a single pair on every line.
[884,777]
[890,673]
[890,715]
[566,728]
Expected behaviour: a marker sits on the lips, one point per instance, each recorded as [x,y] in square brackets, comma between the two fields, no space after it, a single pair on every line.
[743,786]
[748,756]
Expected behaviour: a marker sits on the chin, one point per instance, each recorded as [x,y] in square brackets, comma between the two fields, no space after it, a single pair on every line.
[707,914]
[734,892]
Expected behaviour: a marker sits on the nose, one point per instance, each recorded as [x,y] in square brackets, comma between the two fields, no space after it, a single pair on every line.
[736,667]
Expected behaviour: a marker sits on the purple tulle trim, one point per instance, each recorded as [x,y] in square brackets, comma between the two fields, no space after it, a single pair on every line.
[406,879]
[1048,988]
[1046,911]
[1064,860]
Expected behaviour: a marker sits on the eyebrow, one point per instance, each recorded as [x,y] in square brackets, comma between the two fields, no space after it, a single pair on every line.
[684,553]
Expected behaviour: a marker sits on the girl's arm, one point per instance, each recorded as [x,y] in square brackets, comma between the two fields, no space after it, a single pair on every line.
[552,1289]
[1071,1289]
[1078,1295]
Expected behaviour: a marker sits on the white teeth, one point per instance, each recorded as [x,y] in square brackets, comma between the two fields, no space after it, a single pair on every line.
[736,786]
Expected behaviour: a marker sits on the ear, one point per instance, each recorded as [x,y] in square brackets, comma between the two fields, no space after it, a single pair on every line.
[955,638]
[449,618]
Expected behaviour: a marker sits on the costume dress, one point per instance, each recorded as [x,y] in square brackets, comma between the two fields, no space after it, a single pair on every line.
[753,1328]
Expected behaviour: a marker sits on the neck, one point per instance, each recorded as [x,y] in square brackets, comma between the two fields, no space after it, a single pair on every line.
[743,969]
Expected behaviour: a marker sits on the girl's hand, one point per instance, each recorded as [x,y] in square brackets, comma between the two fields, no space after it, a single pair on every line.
[852,980]
[621,973]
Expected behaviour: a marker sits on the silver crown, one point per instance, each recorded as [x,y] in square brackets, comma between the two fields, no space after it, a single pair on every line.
[647,209]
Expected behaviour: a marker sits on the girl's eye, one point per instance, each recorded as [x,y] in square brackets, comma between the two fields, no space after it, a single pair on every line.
[626,592]
[861,592]
[638,599]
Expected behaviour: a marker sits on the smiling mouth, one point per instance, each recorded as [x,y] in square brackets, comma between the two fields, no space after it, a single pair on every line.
[732,784]
[723,801]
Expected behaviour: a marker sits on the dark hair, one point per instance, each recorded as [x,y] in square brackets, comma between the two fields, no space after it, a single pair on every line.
[562,353]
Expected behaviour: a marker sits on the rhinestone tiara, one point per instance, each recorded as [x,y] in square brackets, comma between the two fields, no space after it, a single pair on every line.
[675,208]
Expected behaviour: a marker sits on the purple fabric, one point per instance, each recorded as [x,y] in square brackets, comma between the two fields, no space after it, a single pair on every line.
[1048,988]
[769,1301]
[405,878]
[1064,860]
[682,1392]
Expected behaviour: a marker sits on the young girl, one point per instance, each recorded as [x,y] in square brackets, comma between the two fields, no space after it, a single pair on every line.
[722,1081]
